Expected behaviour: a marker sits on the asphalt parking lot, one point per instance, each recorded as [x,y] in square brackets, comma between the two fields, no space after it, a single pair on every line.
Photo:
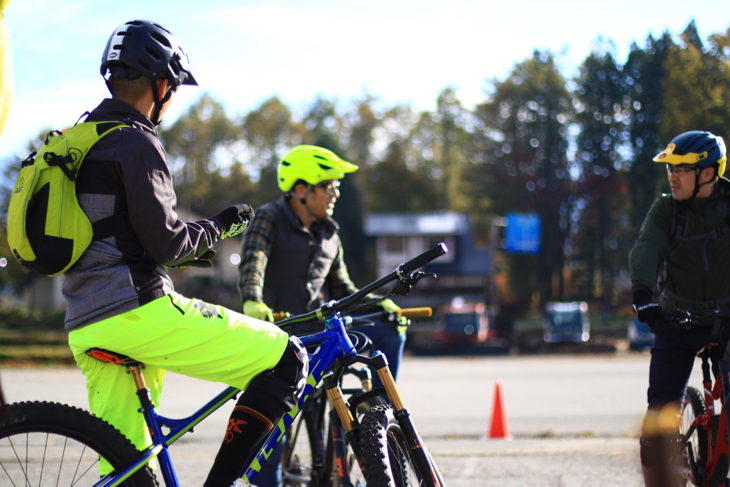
[574,419]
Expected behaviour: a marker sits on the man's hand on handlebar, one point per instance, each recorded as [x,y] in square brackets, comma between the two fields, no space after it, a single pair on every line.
[258,310]
[403,322]
[649,313]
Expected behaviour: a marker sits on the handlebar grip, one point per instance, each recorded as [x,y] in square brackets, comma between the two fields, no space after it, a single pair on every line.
[425,257]
[416,312]
[280,315]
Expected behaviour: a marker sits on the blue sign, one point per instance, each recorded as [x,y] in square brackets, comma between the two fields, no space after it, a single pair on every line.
[523,233]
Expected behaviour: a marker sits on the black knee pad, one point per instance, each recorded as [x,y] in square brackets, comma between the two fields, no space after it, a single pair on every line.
[277,390]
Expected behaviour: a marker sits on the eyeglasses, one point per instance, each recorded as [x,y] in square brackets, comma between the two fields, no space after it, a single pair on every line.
[331,188]
[679,170]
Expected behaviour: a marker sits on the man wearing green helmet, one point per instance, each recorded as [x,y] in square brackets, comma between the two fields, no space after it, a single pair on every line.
[293,258]
[689,232]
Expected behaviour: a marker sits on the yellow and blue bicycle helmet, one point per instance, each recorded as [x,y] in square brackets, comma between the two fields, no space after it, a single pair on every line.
[702,149]
[312,165]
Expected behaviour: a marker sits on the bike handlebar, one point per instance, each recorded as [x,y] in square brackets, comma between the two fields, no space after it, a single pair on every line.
[695,317]
[402,272]
[425,312]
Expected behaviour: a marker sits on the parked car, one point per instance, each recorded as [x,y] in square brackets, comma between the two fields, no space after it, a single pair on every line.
[639,335]
[566,322]
[462,322]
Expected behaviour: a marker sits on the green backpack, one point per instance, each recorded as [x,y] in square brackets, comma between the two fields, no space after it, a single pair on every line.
[47,229]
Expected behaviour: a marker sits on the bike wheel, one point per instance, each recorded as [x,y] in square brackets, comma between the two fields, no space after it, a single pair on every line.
[296,460]
[356,475]
[303,458]
[45,443]
[694,406]
[385,454]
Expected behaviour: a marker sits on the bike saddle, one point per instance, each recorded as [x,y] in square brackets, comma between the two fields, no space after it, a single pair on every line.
[110,357]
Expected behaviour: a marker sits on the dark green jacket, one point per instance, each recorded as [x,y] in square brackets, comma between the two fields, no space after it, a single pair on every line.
[697,271]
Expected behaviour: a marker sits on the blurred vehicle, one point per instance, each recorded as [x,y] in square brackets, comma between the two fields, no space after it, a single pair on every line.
[566,322]
[639,335]
[462,322]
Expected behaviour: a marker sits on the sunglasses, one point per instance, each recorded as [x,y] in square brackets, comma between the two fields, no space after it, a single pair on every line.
[679,170]
[330,188]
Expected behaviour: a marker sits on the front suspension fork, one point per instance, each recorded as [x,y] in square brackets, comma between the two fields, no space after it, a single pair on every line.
[426,467]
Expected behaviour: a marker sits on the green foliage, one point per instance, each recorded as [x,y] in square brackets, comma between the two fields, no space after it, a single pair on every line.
[192,144]
[646,68]
[698,84]
[523,142]
[31,320]
[595,213]
[576,151]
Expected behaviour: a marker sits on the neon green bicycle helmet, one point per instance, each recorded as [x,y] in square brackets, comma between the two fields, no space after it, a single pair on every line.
[311,164]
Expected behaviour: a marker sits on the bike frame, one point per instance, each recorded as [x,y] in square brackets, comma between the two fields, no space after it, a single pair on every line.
[334,345]
[333,348]
[705,421]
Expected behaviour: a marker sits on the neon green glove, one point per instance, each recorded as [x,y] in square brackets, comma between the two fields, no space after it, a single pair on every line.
[258,310]
[403,322]
[389,305]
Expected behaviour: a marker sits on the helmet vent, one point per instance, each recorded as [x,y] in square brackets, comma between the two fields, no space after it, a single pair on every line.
[162,28]
[284,163]
[119,47]
[144,65]
[326,168]
[153,52]
[161,39]
[319,157]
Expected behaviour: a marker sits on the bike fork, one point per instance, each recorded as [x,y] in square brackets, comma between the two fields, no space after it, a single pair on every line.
[425,466]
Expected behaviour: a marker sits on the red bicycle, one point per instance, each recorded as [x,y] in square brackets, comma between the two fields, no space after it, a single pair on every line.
[703,440]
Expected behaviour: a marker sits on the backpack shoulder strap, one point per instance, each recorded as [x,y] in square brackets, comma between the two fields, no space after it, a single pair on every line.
[678,228]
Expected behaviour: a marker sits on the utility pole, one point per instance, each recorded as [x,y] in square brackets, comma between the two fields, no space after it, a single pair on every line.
[496,222]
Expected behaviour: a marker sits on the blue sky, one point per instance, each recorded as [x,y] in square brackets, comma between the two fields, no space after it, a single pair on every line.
[243,52]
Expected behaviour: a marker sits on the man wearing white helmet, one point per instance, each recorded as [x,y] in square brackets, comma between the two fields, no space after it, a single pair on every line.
[119,295]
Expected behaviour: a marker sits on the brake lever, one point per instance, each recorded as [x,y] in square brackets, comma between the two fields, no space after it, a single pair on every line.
[408,281]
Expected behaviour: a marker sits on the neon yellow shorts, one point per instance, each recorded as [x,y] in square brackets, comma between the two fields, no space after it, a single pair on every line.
[174,333]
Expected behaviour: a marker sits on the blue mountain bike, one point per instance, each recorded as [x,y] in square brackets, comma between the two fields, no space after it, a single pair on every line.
[54,444]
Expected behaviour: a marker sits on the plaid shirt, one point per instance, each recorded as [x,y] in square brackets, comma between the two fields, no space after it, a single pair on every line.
[257,242]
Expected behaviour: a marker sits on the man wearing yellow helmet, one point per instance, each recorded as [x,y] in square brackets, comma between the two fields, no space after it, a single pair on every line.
[689,232]
[293,258]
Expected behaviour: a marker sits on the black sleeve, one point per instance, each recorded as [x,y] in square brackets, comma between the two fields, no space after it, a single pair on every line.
[151,202]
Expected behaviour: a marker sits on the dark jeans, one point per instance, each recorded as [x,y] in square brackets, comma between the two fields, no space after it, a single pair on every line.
[672,358]
[386,339]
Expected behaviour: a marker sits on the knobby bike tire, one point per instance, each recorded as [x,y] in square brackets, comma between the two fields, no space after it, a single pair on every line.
[385,454]
[694,406]
[47,443]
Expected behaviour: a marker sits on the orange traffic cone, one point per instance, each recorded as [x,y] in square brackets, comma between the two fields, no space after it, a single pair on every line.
[499,428]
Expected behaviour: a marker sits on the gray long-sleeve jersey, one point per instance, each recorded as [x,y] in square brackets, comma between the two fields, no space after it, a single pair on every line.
[126,172]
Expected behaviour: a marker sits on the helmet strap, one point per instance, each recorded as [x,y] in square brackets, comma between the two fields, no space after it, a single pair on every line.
[108,83]
[698,185]
[159,103]
[303,200]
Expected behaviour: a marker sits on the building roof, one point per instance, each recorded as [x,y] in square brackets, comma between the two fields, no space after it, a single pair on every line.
[437,223]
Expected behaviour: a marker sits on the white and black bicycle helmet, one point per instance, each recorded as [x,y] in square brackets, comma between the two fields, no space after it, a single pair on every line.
[143,48]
